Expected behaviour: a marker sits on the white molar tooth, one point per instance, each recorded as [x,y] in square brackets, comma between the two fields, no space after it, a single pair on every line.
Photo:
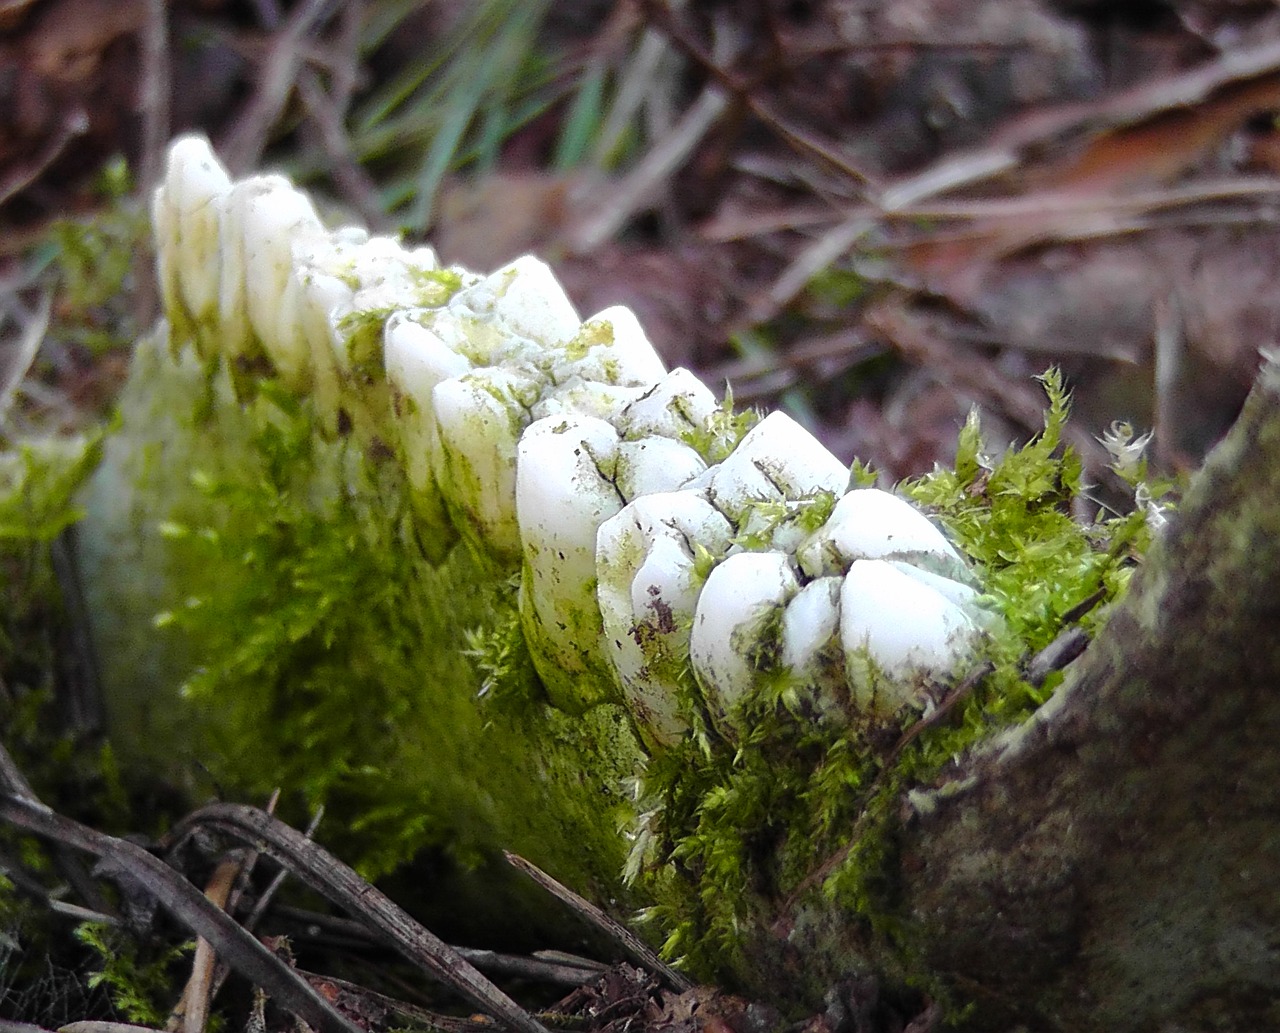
[736,617]
[610,347]
[196,187]
[527,299]
[777,459]
[416,361]
[655,464]
[812,650]
[323,289]
[275,218]
[868,523]
[587,397]
[479,418]
[293,355]
[811,621]
[564,492]
[677,405]
[647,588]
[905,626]
[233,313]
[950,589]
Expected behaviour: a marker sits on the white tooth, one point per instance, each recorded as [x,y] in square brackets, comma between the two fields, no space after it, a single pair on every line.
[587,398]
[527,299]
[417,360]
[904,626]
[610,347]
[811,621]
[235,333]
[812,652]
[197,186]
[868,523]
[164,223]
[647,588]
[275,219]
[323,290]
[292,354]
[778,459]
[564,492]
[735,629]
[349,235]
[950,589]
[676,406]
[654,465]
[479,419]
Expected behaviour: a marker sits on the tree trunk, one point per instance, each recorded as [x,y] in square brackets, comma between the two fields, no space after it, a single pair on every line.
[1112,865]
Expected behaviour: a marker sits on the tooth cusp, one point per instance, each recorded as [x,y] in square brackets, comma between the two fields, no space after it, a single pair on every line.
[777,460]
[678,406]
[868,523]
[905,626]
[735,639]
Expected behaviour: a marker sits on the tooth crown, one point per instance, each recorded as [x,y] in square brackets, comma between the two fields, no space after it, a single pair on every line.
[668,560]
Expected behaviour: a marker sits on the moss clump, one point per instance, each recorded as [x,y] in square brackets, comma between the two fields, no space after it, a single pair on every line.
[317,647]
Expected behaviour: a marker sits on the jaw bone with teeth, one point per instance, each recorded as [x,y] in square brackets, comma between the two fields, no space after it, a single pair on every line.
[665,566]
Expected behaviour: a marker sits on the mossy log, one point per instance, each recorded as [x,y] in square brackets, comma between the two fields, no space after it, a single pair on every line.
[386,634]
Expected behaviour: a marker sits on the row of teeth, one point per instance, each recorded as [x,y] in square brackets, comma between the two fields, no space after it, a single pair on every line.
[566,446]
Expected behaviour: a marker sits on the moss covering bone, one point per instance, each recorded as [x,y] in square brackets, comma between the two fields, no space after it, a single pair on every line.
[426,547]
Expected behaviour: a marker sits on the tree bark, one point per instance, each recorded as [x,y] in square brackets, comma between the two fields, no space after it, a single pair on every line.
[1112,865]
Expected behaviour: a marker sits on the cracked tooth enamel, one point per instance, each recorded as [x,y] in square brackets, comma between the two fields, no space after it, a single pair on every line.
[648,587]
[655,464]
[677,405]
[868,523]
[777,459]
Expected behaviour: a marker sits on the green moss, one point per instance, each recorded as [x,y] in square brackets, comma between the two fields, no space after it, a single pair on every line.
[321,651]
[716,437]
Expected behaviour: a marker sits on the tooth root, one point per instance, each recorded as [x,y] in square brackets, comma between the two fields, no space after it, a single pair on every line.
[868,523]
[903,626]
[564,492]
[647,589]
[736,627]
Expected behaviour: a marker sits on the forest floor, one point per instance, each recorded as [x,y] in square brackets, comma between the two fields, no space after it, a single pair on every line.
[875,216]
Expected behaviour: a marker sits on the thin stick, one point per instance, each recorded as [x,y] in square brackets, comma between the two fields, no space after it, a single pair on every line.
[119,857]
[327,875]
[635,948]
